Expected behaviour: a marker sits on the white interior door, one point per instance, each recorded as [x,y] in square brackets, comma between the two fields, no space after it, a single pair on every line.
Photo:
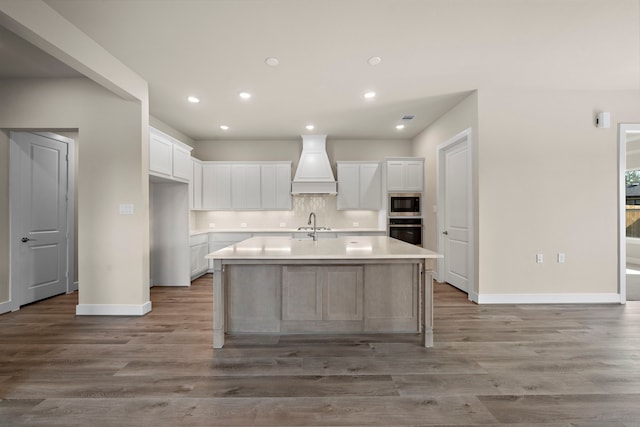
[455,219]
[39,185]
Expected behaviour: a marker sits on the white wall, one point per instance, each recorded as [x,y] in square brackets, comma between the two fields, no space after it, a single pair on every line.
[113,252]
[547,183]
[463,116]
[163,127]
[289,150]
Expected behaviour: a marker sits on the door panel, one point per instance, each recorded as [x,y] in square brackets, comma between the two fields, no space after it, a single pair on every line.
[39,216]
[456,194]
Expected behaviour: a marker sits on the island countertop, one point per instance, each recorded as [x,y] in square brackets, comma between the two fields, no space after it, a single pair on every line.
[340,248]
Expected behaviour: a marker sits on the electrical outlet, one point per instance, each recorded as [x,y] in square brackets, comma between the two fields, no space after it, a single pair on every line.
[212,225]
[243,225]
[539,258]
[283,224]
[561,257]
[356,224]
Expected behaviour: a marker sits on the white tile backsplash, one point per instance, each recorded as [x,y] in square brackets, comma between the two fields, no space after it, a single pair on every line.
[324,206]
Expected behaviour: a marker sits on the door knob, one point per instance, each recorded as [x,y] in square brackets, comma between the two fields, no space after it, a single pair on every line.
[445,232]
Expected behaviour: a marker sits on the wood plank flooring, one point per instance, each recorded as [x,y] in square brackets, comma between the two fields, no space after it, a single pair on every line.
[518,365]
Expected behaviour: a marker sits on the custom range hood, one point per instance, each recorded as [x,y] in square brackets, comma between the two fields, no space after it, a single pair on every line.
[314,174]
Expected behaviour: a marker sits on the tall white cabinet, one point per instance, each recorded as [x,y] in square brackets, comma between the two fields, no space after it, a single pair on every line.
[170,196]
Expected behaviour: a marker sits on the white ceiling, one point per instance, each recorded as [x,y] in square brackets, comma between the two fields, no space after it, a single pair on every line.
[434,52]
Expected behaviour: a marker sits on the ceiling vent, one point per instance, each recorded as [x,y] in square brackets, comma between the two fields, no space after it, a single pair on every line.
[314,174]
[408,117]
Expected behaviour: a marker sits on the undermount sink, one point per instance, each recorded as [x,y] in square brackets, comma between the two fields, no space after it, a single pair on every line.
[309,228]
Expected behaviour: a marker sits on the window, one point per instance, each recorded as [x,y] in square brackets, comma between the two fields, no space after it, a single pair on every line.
[632,181]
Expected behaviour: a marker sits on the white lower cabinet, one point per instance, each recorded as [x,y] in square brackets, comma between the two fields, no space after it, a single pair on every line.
[199,248]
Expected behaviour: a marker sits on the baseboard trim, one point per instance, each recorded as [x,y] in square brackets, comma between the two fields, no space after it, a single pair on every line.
[170,285]
[7,306]
[113,309]
[601,298]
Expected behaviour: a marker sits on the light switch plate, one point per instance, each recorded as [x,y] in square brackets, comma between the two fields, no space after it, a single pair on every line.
[126,209]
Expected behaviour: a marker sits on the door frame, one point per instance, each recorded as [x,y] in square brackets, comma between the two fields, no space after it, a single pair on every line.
[71,285]
[464,137]
[623,129]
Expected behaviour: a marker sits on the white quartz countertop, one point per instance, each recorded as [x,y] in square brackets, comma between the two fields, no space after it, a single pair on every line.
[282,230]
[342,248]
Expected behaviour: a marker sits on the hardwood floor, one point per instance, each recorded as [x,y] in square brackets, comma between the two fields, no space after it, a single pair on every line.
[522,365]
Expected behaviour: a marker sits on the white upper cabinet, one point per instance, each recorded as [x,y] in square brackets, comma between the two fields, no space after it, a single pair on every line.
[160,154]
[275,186]
[216,186]
[246,186]
[370,186]
[405,175]
[359,186]
[182,164]
[168,157]
[195,195]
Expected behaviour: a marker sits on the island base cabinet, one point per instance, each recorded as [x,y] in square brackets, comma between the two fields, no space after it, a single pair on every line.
[288,299]
[322,299]
[253,298]
[392,298]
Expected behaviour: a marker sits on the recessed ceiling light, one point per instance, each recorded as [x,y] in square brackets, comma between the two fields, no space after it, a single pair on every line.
[374,60]
[399,127]
[193,99]
[369,95]
[271,61]
[244,95]
[224,127]
[310,127]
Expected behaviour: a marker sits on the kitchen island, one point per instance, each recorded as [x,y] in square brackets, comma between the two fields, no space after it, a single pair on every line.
[354,284]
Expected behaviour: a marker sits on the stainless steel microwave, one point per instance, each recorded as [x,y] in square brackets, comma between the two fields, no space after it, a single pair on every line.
[405,204]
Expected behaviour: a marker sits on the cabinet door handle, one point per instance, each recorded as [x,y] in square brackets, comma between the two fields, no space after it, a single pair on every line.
[445,232]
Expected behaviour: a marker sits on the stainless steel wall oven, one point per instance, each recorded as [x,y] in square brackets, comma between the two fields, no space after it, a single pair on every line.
[406,229]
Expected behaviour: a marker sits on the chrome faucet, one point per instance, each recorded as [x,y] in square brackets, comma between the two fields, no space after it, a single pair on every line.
[314,233]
